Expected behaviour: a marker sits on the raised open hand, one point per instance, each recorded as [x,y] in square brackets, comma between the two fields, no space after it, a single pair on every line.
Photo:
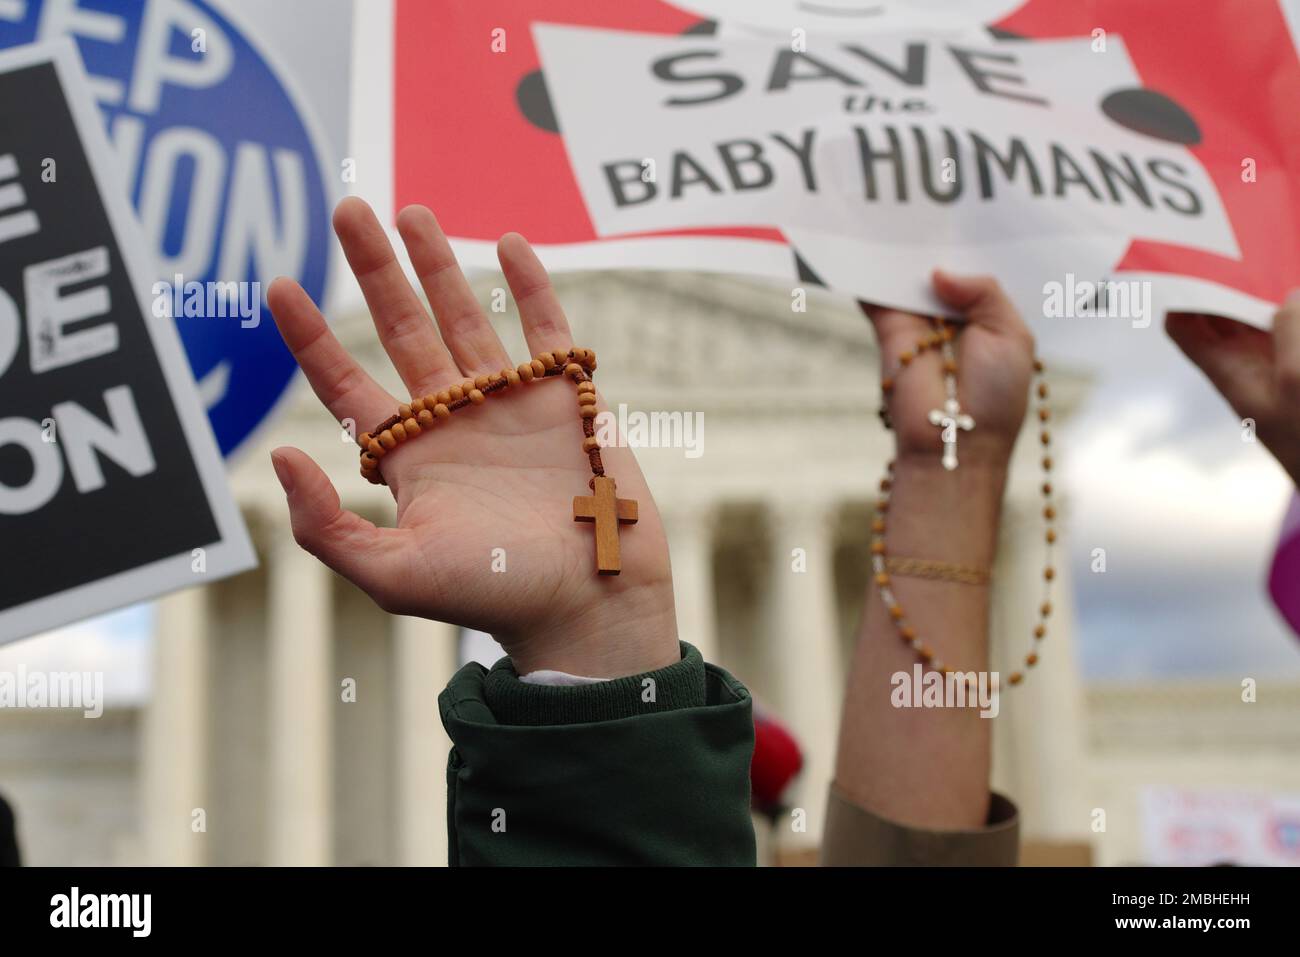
[995,357]
[500,475]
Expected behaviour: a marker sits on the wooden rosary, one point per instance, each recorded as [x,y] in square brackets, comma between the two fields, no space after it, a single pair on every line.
[952,420]
[603,508]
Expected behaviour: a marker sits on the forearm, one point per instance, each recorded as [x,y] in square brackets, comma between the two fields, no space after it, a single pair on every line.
[925,767]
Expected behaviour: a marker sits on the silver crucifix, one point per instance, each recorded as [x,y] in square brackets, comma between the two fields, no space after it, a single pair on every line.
[950,420]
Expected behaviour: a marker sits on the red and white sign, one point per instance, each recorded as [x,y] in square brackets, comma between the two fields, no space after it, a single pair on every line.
[504,118]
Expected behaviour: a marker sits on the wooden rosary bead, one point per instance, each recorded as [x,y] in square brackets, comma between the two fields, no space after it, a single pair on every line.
[421,413]
[878,544]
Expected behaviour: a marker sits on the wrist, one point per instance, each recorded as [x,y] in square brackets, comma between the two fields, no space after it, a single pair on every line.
[626,633]
[943,515]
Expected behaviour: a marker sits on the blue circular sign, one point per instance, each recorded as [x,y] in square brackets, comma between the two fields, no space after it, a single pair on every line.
[225,172]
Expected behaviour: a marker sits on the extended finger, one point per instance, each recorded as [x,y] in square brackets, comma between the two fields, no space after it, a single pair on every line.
[545,326]
[374,559]
[405,329]
[468,334]
[338,380]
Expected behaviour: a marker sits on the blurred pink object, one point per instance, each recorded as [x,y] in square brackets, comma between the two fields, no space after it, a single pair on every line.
[1284,580]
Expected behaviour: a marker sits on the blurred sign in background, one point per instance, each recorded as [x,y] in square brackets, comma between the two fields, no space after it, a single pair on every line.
[217,124]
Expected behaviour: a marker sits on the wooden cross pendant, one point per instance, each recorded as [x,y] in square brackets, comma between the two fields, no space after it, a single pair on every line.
[607,511]
[950,420]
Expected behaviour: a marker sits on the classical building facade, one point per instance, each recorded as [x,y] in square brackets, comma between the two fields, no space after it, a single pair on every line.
[251,752]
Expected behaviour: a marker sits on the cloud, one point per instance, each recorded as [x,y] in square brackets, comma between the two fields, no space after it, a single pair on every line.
[116,644]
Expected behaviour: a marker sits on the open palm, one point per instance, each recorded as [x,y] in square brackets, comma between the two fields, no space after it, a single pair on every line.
[485,535]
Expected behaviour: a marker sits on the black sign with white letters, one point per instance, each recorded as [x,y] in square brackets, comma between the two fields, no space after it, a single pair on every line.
[99,467]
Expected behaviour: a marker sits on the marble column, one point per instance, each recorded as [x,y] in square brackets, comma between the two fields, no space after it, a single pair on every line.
[1039,757]
[174,752]
[690,528]
[301,689]
[424,659]
[806,659]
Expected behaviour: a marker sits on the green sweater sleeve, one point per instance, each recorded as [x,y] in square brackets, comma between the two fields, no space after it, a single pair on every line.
[649,769]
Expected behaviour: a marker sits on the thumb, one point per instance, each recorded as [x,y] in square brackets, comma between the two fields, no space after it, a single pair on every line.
[981,300]
[368,556]
[1234,357]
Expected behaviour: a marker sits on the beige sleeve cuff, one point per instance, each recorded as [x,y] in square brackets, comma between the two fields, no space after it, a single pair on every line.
[857,838]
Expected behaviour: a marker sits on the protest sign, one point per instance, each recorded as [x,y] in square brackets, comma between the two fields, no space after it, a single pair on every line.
[1204,214]
[1000,158]
[1194,828]
[223,159]
[112,489]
